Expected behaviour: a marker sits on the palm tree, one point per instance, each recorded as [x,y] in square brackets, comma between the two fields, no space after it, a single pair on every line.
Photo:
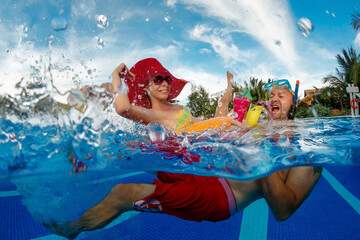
[349,65]
[257,89]
[347,73]
[355,20]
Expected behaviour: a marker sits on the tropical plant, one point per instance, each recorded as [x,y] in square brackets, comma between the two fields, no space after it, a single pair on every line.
[355,20]
[321,111]
[349,66]
[347,73]
[200,104]
[303,111]
[257,89]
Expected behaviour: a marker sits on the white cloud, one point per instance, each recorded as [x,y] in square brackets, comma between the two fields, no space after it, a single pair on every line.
[171,3]
[197,76]
[221,43]
[205,51]
[357,40]
[266,21]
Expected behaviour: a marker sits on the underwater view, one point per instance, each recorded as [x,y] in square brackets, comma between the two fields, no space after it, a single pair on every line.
[111,110]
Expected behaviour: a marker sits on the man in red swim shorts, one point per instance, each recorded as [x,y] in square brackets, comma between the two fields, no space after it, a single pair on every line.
[205,198]
[190,197]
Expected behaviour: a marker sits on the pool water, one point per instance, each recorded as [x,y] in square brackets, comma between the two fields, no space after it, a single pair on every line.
[332,211]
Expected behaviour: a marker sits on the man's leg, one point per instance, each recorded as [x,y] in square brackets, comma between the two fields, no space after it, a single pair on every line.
[119,200]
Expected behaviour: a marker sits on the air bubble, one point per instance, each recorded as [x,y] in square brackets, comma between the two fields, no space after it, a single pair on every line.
[26,30]
[305,26]
[147,19]
[102,21]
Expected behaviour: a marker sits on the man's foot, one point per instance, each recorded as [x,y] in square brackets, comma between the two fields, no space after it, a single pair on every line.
[59,230]
[230,79]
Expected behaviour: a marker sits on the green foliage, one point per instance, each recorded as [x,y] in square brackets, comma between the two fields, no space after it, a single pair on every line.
[321,111]
[303,111]
[355,20]
[200,104]
[257,89]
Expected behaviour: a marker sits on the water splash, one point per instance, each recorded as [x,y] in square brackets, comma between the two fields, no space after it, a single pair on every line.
[305,26]
[157,133]
[100,42]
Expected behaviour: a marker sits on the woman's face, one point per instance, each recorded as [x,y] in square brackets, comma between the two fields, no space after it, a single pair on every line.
[159,87]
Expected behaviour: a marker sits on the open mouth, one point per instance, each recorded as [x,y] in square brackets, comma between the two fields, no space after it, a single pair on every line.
[275,108]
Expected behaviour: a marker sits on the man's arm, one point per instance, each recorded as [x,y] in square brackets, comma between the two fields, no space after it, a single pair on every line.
[284,194]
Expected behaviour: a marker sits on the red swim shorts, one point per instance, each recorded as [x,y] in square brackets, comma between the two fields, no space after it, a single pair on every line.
[190,197]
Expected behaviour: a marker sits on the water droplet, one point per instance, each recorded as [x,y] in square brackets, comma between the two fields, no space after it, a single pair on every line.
[314,112]
[167,18]
[305,26]
[157,132]
[61,12]
[333,14]
[278,42]
[26,30]
[147,19]
[102,21]
[58,23]
[37,80]
[100,42]
[327,12]
[51,39]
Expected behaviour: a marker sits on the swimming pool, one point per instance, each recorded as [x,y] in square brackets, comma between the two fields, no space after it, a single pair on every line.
[52,46]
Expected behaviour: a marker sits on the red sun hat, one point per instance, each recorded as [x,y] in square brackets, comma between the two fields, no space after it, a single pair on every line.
[144,70]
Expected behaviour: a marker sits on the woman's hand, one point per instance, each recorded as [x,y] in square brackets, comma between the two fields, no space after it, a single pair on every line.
[120,72]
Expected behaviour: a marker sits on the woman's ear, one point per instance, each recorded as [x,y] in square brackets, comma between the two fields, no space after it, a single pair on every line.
[147,89]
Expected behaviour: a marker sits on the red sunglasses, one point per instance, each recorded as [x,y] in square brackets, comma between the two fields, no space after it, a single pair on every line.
[159,80]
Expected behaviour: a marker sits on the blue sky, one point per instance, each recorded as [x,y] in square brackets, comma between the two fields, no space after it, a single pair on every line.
[197,40]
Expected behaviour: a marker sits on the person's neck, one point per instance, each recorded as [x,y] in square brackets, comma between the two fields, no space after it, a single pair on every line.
[160,105]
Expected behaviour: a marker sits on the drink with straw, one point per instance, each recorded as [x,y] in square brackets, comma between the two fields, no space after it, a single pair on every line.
[241,105]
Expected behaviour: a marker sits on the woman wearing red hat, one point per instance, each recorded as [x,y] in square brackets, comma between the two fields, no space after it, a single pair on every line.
[150,87]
